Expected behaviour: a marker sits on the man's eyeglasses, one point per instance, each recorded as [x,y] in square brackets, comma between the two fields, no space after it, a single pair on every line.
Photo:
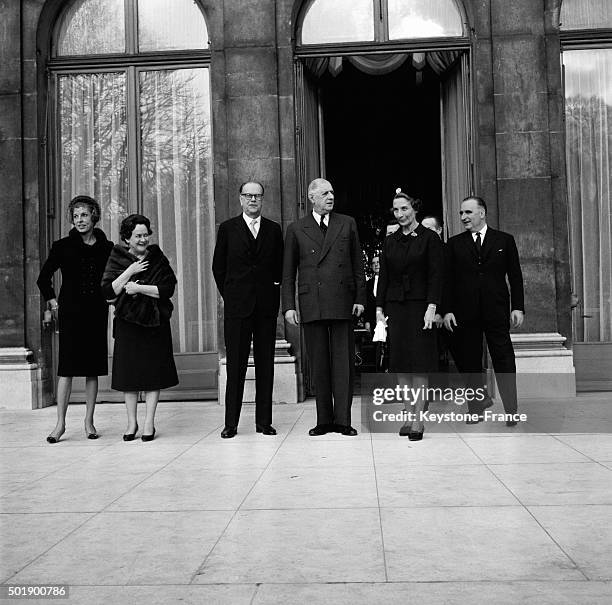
[253,196]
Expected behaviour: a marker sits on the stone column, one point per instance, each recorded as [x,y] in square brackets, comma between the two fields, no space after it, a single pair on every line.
[530,176]
[18,370]
[252,147]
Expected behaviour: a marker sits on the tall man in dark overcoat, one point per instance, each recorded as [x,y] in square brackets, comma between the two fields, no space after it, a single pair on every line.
[478,301]
[323,249]
[247,266]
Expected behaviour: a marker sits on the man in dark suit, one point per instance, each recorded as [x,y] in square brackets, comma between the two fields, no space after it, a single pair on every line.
[323,247]
[369,315]
[247,265]
[478,301]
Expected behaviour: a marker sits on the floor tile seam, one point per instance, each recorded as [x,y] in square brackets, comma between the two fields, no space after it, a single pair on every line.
[204,585]
[45,476]
[590,458]
[530,513]
[64,537]
[576,581]
[380,521]
[253,596]
[151,474]
[487,466]
[563,550]
[560,462]
[200,567]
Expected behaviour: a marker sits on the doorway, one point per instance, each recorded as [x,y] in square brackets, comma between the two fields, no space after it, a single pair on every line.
[372,124]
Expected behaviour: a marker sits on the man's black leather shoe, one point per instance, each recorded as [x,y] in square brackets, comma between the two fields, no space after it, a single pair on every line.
[321,429]
[266,429]
[349,431]
[228,432]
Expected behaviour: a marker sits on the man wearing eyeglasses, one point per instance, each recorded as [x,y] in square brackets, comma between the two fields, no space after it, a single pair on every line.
[323,249]
[247,266]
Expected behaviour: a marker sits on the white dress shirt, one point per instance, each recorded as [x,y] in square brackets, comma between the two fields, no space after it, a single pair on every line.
[249,222]
[319,217]
[482,234]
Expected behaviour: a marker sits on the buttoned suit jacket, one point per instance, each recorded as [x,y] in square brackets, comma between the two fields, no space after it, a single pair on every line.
[248,270]
[330,275]
[479,290]
[413,273]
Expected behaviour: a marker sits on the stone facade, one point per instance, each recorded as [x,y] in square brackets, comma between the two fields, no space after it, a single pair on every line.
[518,117]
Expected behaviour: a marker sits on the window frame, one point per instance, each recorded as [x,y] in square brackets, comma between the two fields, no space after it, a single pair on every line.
[131,63]
[381,43]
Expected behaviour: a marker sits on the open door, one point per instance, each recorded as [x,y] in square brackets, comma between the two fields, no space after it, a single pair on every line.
[309,133]
[455,131]
[310,159]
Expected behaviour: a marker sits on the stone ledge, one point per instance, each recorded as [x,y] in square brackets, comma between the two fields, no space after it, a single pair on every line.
[19,379]
[285,388]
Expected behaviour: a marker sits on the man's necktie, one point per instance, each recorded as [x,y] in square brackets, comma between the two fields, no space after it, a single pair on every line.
[323,226]
[254,227]
[478,244]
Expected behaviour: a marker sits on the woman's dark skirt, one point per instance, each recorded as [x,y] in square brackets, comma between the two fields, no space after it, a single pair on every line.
[82,341]
[411,349]
[142,359]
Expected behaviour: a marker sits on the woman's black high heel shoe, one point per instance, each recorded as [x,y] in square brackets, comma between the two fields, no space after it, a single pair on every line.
[131,436]
[416,435]
[149,437]
[92,435]
[53,439]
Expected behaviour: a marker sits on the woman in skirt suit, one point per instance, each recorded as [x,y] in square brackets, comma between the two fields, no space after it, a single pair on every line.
[139,281]
[409,290]
[80,311]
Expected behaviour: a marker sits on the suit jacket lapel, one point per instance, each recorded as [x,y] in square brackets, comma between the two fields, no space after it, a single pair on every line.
[333,230]
[244,231]
[469,243]
[489,242]
[261,234]
[313,231]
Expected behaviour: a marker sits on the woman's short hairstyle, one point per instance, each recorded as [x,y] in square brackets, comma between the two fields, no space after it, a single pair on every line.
[128,224]
[414,202]
[86,202]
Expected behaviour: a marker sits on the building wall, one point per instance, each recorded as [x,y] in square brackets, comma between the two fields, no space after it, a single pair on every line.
[518,125]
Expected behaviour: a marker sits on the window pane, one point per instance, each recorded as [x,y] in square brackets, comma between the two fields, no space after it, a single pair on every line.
[338,21]
[588,123]
[93,145]
[171,25]
[93,27]
[586,14]
[423,19]
[177,190]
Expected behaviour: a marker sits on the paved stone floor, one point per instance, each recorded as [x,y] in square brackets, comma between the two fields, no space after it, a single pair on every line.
[461,517]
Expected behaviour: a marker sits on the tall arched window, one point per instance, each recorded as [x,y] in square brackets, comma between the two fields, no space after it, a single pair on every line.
[586,35]
[132,127]
[344,21]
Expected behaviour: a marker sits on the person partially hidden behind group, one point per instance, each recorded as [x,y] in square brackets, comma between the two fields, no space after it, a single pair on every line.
[435,223]
[409,291]
[139,280]
[80,311]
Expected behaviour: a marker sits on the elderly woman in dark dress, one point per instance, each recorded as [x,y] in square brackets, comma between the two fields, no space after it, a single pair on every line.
[409,290]
[80,310]
[139,280]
